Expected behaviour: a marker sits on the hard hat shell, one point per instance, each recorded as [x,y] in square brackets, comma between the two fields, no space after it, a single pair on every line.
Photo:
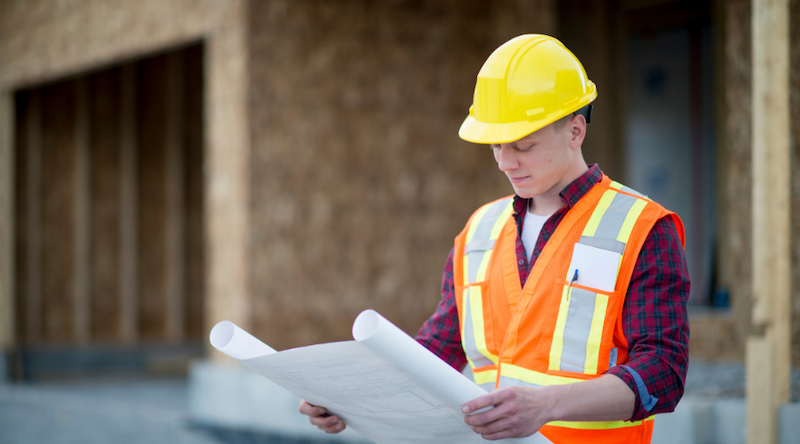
[527,83]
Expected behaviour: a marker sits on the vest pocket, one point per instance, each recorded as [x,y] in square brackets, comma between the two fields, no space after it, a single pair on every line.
[578,336]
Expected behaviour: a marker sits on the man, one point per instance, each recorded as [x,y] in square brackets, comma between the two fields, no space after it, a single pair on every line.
[568,299]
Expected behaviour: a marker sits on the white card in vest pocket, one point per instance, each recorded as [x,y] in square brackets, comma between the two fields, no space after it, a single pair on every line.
[597,268]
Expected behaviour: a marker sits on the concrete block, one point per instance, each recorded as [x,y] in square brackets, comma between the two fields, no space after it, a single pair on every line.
[233,397]
[5,367]
[789,429]
[730,421]
[699,420]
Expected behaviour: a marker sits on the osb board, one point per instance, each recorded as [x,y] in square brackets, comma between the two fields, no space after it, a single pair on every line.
[151,116]
[42,40]
[359,182]
[712,337]
[794,104]
[592,37]
[104,99]
[58,210]
[195,234]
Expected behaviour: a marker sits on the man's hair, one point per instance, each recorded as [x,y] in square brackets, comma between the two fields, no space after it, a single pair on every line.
[559,124]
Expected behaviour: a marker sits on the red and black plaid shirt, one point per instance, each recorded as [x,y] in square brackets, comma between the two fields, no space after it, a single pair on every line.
[653,318]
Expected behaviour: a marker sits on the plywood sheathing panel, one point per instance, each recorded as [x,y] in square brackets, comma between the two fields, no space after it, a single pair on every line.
[794,109]
[722,337]
[359,182]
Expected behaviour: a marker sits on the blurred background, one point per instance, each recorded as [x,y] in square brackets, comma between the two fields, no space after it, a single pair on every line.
[286,164]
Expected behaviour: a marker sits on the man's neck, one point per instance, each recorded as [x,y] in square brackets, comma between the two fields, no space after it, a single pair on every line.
[550,201]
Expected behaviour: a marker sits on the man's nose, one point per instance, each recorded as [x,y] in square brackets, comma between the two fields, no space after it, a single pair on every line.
[506,159]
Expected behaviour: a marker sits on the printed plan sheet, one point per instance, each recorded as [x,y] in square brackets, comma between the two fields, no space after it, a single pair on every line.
[384,384]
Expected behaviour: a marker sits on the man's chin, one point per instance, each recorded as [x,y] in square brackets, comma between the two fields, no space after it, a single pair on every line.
[524,193]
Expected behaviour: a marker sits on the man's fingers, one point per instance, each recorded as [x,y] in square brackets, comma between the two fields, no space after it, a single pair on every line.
[311,410]
[497,426]
[319,417]
[329,424]
[479,403]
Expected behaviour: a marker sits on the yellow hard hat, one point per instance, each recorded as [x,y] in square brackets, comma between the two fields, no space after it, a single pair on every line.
[527,83]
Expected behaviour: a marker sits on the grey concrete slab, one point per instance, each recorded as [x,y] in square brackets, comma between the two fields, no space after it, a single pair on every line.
[234,397]
[97,413]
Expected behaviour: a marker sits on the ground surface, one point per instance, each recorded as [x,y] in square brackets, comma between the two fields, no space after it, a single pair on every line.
[103,412]
[155,411]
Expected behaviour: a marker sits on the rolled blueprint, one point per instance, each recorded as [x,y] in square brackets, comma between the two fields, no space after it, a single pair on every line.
[384,385]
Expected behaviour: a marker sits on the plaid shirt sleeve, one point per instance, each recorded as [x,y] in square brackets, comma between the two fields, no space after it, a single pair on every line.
[655,324]
[440,333]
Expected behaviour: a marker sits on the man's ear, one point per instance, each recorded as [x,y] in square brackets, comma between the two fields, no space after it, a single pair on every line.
[577,128]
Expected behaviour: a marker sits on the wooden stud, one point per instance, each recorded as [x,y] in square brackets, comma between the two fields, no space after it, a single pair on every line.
[128,208]
[769,351]
[33,152]
[7,296]
[83,215]
[174,245]
[227,187]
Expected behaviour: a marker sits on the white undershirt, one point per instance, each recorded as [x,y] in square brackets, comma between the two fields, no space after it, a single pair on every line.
[530,232]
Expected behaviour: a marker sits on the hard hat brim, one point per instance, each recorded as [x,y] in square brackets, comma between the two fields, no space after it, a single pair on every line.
[475,131]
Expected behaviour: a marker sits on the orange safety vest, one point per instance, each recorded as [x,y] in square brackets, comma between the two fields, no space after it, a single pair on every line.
[552,331]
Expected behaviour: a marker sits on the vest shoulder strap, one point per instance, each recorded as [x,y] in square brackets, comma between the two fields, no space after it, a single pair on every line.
[484,228]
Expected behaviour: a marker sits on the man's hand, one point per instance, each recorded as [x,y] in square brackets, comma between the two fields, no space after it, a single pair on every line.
[320,418]
[517,412]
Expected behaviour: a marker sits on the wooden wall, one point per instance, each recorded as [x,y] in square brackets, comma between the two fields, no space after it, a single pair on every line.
[359,182]
[109,204]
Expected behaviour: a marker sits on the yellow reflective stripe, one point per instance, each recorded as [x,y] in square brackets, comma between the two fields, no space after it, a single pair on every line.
[630,220]
[557,346]
[595,334]
[487,377]
[476,305]
[525,375]
[475,222]
[616,185]
[598,213]
[501,221]
[598,425]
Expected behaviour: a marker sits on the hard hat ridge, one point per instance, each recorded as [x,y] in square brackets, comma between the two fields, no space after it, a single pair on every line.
[527,83]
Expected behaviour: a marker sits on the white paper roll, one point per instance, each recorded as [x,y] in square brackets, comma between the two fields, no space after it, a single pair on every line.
[228,338]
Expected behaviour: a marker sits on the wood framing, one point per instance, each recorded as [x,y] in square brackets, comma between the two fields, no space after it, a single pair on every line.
[33,153]
[768,348]
[7,298]
[129,257]
[83,215]
[174,276]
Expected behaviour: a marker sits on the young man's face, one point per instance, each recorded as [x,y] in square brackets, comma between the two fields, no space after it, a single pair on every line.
[538,162]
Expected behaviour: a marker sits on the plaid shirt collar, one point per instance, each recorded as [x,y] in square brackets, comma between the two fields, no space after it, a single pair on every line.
[570,195]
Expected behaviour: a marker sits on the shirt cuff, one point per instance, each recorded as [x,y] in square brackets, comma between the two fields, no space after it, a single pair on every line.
[625,374]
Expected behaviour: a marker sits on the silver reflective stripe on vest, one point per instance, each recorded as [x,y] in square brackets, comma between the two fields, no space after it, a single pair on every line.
[470,348]
[479,245]
[482,238]
[603,243]
[577,338]
[634,192]
[614,217]
[476,252]
[576,331]
[513,382]
[488,386]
